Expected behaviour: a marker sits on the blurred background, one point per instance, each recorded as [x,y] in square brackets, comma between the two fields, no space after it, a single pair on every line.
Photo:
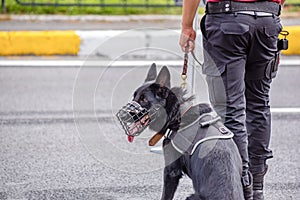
[67,66]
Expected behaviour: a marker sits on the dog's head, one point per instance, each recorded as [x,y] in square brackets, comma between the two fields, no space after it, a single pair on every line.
[154,105]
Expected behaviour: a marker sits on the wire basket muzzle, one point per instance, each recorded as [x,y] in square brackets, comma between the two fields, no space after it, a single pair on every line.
[135,119]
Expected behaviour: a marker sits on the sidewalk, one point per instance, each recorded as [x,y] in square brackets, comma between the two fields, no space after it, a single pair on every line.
[100,22]
[81,35]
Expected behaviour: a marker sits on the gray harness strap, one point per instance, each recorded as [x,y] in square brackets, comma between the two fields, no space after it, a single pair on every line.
[204,128]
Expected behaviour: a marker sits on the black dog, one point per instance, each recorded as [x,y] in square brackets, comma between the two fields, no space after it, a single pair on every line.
[213,165]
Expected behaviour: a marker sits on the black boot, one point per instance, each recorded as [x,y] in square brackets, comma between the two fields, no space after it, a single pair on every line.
[247,182]
[258,184]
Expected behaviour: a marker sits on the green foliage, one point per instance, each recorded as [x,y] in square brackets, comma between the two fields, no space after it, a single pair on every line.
[289,6]
[293,1]
[14,8]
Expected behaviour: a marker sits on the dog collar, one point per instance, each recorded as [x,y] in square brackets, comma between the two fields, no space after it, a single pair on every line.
[184,108]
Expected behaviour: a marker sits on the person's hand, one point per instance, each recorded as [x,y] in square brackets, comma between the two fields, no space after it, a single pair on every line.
[282,2]
[187,35]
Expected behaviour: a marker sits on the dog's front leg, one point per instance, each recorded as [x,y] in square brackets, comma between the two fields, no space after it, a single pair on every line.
[171,179]
[172,171]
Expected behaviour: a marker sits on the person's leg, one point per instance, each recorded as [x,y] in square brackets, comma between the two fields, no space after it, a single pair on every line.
[258,78]
[232,110]
[259,130]
[258,122]
[225,48]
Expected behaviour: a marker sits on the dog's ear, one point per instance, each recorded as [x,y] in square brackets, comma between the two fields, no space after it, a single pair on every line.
[151,73]
[163,78]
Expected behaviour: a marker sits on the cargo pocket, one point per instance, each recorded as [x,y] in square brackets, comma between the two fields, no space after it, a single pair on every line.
[272,31]
[234,28]
[210,67]
[272,67]
[216,88]
[269,36]
[216,91]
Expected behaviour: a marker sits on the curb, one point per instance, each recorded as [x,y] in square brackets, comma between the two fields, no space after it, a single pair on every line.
[39,43]
[100,43]
[137,43]
[91,63]
[110,18]
[293,38]
[104,44]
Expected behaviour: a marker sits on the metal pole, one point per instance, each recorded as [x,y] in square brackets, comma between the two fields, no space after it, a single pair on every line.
[3,6]
[191,74]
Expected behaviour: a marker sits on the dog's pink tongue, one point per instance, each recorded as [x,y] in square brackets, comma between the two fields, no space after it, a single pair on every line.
[130,138]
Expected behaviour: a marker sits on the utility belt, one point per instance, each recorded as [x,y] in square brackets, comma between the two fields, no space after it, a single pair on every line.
[240,7]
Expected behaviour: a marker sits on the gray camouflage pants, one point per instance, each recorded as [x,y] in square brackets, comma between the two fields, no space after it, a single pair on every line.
[239,62]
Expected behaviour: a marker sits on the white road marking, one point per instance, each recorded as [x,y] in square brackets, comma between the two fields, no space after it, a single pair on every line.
[98,114]
[104,63]
[290,62]
[285,110]
[79,63]
[159,150]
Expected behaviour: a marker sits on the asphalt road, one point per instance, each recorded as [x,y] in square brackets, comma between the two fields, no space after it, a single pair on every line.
[59,138]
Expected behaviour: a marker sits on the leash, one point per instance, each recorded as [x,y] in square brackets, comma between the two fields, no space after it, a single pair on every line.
[185,64]
[195,58]
[156,137]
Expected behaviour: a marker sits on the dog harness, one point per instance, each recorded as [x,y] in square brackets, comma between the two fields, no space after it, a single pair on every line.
[196,130]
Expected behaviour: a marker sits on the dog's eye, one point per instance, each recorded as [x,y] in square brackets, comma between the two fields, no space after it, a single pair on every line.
[143,98]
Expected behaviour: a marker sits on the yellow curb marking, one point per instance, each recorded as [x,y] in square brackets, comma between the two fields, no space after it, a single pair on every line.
[39,43]
[68,42]
[294,40]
